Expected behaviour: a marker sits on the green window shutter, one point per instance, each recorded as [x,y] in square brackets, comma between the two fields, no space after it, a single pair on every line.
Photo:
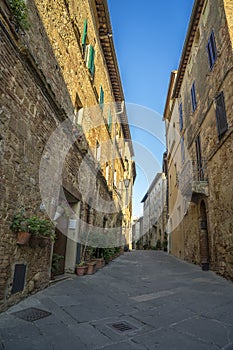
[91,59]
[109,121]
[101,97]
[84,36]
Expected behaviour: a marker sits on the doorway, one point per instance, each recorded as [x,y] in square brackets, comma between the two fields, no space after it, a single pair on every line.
[65,246]
[204,239]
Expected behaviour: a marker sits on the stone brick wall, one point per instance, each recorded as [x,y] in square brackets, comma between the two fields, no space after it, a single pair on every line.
[228,5]
[23,132]
[216,153]
[37,94]
[63,22]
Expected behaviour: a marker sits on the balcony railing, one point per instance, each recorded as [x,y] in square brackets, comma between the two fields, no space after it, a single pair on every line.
[193,178]
[199,170]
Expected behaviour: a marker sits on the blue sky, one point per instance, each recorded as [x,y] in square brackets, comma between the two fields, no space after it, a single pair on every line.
[148,37]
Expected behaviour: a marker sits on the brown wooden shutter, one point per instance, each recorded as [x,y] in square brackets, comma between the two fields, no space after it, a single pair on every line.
[221,115]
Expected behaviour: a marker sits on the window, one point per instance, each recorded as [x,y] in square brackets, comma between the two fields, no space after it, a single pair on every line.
[221,115]
[88,50]
[177,177]
[101,99]
[107,172]
[109,121]
[115,178]
[200,173]
[89,58]
[212,50]
[84,36]
[88,214]
[182,149]
[181,116]
[126,164]
[193,96]
[78,110]
[97,150]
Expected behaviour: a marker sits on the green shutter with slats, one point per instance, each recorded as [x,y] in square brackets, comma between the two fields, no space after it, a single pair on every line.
[101,97]
[91,64]
[84,36]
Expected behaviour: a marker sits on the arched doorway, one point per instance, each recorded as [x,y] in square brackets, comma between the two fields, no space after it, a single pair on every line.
[204,240]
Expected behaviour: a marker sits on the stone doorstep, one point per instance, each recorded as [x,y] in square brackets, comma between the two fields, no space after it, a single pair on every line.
[60,278]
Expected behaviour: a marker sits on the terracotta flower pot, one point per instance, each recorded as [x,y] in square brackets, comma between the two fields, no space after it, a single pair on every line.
[41,242]
[23,237]
[44,241]
[107,259]
[99,262]
[81,270]
[34,241]
[91,268]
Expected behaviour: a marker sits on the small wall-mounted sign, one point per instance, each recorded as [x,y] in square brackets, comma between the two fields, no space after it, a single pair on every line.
[72,224]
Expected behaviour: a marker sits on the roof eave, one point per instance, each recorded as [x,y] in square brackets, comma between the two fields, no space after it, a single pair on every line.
[193,25]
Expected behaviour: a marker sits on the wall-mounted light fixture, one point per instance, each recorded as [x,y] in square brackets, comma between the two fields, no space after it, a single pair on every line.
[126,183]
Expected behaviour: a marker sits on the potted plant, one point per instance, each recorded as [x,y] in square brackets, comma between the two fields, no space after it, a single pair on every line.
[91,267]
[98,258]
[107,255]
[158,244]
[55,264]
[81,268]
[46,232]
[42,231]
[117,251]
[20,226]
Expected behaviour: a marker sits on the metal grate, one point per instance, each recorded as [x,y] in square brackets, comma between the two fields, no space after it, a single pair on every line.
[31,314]
[121,327]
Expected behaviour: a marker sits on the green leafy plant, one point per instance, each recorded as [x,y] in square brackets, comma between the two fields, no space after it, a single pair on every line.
[165,242]
[56,262]
[34,225]
[19,222]
[158,244]
[117,250]
[81,264]
[41,227]
[20,13]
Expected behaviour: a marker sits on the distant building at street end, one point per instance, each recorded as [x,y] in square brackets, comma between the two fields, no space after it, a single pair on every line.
[137,233]
[154,213]
[199,135]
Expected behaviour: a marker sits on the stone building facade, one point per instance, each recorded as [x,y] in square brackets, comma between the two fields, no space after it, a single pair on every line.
[199,119]
[64,137]
[154,212]
[137,233]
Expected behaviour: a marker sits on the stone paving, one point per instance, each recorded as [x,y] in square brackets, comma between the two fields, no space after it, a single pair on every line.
[167,303]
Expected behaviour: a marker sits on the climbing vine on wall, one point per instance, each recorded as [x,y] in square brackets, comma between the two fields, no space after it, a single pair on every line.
[20,13]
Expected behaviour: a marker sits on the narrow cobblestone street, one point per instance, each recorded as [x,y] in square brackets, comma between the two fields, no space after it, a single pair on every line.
[167,303]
